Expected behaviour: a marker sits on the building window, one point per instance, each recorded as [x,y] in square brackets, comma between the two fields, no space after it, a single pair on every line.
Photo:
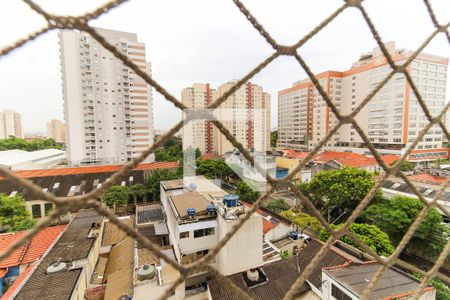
[48,208]
[36,211]
[338,294]
[184,235]
[203,232]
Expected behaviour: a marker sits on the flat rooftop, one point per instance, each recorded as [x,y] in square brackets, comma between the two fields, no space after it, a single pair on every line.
[393,282]
[72,245]
[190,199]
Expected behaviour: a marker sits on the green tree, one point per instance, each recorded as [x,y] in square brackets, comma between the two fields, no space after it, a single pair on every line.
[13,214]
[138,190]
[274,138]
[277,205]
[442,289]
[153,181]
[116,195]
[339,190]
[405,166]
[396,215]
[441,161]
[246,193]
[212,169]
[370,235]
[303,220]
[172,150]
[21,144]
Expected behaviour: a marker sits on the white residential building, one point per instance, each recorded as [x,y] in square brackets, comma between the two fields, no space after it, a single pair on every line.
[10,124]
[392,119]
[56,130]
[107,107]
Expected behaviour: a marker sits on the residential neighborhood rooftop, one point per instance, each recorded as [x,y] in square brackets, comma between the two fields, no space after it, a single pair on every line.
[72,245]
[393,283]
[30,251]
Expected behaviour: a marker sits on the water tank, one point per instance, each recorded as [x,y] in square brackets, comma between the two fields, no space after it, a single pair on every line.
[210,209]
[293,234]
[190,212]
[253,275]
[231,200]
[56,267]
[146,272]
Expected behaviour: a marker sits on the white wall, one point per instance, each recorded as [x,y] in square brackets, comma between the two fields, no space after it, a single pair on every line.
[73,104]
[244,250]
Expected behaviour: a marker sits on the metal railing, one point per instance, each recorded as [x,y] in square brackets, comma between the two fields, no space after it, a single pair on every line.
[89,200]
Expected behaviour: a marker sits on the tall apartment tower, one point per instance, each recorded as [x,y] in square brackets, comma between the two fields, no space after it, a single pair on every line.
[200,133]
[392,119]
[56,130]
[246,114]
[10,124]
[107,107]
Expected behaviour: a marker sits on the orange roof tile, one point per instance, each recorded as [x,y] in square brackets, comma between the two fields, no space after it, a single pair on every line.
[290,153]
[268,226]
[92,169]
[428,178]
[3,272]
[208,156]
[17,283]
[390,159]
[32,250]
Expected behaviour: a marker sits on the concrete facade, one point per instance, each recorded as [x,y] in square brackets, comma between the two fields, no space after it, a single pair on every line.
[246,114]
[107,107]
[392,119]
[56,130]
[10,124]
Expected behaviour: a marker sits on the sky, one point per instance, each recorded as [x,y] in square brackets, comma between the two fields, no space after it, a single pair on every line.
[206,41]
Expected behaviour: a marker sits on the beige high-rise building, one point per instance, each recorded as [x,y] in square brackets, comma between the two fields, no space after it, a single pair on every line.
[107,107]
[392,119]
[56,130]
[10,124]
[246,114]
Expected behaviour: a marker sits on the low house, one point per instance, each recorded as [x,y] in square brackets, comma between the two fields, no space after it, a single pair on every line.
[15,264]
[338,275]
[65,270]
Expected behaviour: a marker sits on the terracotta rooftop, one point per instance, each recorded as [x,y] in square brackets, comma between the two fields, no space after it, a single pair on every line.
[428,178]
[343,158]
[17,283]
[208,156]
[72,245]
[31,251]
[92,169]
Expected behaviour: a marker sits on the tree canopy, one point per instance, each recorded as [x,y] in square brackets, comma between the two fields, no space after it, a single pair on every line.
[303,220]
[213,168]
[13,214]
[246,193]
[277,205]
[116,195]
[21,144]
[395,216]
[153,181]
[405,166]
[370,235]
[339,190]
[274,138]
